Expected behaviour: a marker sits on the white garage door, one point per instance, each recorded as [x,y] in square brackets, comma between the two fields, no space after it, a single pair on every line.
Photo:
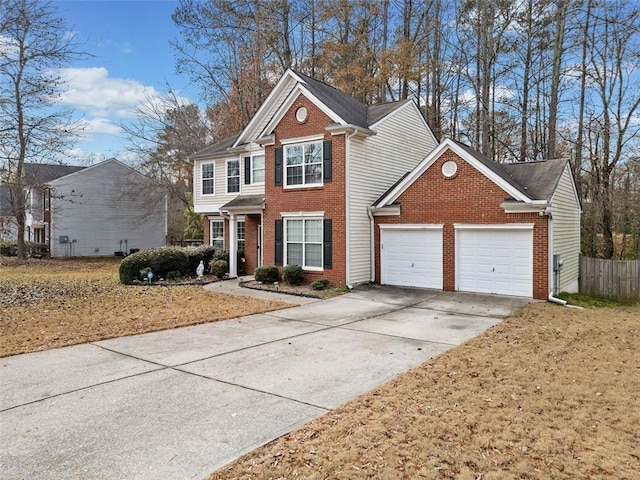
[412,257]
[495,261]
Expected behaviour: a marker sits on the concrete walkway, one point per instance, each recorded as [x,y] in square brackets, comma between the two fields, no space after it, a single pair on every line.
[181,403]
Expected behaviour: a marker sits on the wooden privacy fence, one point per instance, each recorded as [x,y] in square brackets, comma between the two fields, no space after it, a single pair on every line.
[616,279]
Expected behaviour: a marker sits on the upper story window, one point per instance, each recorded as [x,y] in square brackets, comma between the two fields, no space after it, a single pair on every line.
[208,178]
[233,176]
[257,169]
[303,164]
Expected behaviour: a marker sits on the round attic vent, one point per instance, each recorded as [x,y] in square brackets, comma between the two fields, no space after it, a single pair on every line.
[301,114]
[449,169]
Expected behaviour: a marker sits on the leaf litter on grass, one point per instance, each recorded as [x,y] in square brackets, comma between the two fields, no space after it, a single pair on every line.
[50,304]
[550,393]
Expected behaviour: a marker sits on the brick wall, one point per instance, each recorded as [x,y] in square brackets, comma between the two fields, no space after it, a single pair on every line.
[329,198]
[468,197]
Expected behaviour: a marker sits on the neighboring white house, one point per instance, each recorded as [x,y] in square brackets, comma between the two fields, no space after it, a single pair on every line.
[99,210]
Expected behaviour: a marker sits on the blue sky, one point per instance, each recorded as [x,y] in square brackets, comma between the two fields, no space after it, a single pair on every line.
[131,59]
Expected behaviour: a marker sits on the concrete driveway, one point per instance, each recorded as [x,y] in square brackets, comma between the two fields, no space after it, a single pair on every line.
[181,403]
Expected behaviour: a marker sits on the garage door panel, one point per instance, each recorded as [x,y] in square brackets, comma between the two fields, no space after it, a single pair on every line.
[495,261]
[412,258]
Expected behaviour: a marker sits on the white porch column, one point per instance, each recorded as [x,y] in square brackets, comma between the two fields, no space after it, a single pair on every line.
[233,246]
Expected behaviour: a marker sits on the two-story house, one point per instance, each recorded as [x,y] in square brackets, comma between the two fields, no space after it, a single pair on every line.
[356,193]
[89,211]
[295,185]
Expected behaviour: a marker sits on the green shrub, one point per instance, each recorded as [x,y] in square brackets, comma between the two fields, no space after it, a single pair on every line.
[293,275]
[159,260]
[267,274]
[204,253]
[320,284]
[9,248]
[219,268]
[220,254]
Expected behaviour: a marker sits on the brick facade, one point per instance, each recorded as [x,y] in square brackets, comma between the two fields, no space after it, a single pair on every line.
[328,198]
[469,197]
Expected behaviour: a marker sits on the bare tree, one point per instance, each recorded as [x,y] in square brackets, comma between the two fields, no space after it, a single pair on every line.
[33,44]
[167,132]
[611,105]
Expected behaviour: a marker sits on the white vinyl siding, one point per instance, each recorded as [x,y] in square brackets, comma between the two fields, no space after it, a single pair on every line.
[401,142]
[106,208]
[565,211]
[212,203]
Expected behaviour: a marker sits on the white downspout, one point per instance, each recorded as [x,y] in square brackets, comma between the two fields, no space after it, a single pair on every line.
[233,246]
[550,297]
[372,244]
[347,175]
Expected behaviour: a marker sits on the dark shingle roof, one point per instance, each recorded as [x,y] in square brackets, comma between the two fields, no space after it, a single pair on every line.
[40,173]
[217,148]
[381,110]
[537,180]
[347,107]
[244,201]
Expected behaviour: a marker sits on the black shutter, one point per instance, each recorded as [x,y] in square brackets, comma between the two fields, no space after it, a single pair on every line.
[327,244]
[247,170]
[279,246]
[278,167]
[326,161]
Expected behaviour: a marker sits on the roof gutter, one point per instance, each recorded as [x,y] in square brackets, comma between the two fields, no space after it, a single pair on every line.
[354,130]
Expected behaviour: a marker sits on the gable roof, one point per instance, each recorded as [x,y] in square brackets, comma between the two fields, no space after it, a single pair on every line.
[40,173]
[99,165]
[344,108]
[348,108]
[216,149]
[528,182]
[539,179]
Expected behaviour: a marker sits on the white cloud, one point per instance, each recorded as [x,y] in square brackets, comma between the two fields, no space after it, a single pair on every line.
[99,125]
[92,90]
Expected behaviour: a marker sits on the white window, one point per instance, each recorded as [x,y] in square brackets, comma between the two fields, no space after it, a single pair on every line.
[303,164]
[217,233]
[233,176]
[208,178]
[240,234]
[257,169]
[303,240]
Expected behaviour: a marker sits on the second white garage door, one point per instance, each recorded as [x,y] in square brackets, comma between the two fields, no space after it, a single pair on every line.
[412,257]
[495,260]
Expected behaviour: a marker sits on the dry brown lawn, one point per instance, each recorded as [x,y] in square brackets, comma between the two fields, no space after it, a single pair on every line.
[550,393]
[53,303]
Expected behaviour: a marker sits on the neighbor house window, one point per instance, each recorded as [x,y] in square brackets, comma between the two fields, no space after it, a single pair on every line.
[303,164]
[303,240]
[208,178]
[233,176]
[217,233]
[257,169]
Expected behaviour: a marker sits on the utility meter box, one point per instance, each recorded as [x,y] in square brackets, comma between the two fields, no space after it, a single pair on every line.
[557,263]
